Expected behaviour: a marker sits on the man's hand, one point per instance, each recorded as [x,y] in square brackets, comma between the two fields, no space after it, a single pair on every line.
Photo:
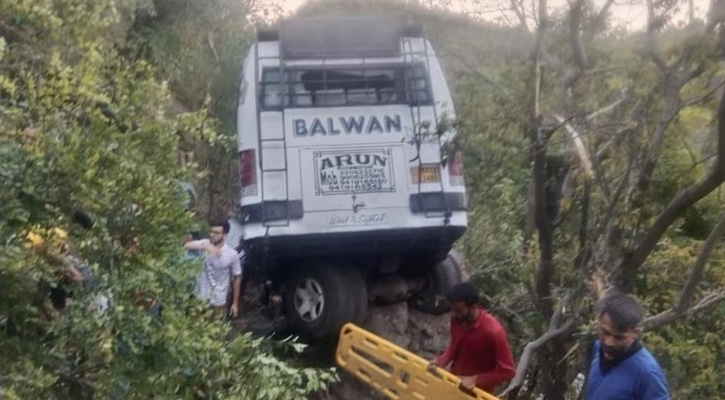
[233,310]
[432,366]
[468,382]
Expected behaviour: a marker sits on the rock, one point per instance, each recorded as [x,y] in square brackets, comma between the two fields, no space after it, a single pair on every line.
[429,333]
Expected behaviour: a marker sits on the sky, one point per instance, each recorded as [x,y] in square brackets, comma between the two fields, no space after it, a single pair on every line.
[630,14]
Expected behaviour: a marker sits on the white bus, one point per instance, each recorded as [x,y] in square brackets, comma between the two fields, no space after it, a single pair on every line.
[350,194]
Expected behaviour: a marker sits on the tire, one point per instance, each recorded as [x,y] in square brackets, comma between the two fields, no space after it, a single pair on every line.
[358,288]
[318,301]
[441,278]
[457,259]
[444,276]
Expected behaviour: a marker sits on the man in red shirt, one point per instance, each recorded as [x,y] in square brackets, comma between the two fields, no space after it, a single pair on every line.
[479,352]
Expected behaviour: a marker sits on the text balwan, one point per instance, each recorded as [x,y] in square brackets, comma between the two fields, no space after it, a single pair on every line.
[347,125]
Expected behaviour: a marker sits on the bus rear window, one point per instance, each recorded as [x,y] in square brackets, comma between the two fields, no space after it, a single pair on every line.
[322,87]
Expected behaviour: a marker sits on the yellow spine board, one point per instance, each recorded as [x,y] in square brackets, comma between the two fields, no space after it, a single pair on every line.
[395,372]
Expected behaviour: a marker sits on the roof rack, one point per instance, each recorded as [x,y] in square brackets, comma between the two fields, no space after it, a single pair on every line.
[267,34]
[297,29]
[413,31]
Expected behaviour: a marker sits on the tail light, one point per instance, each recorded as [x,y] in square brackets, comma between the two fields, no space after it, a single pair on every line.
[248,172]
[455,169]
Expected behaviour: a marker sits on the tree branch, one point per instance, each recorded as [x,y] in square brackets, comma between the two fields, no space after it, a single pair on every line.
[518,9]
[607,228]
[538,137]
[210,40]
[554,331]
[575,21]
[700,99]
[657,321]
[503,11]
[546,240]
[653,24]
[609,218]
[579,147]
[651,157]
[607,108]
[697,271]
[583,234]
[698,162]
[694,73]
[525,359]
[687,197]
[681,308]
[599,19]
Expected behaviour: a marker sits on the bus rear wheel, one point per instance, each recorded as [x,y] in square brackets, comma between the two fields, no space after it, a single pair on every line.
[320,299]
[440,279]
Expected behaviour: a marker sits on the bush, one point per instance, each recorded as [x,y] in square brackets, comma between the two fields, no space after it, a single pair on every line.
[84,127]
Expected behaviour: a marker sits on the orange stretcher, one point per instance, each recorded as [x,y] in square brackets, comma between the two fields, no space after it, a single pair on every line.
[395,372]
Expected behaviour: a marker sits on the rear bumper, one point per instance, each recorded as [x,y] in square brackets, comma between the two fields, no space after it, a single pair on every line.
[439,239]
[280,210]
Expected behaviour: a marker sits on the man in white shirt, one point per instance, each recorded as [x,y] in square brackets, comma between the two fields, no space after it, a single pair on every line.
[221,269]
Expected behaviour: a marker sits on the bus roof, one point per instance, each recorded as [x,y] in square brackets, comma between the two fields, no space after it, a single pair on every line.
[339,37]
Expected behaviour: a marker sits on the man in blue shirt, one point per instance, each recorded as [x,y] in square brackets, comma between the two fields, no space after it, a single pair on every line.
[621,368]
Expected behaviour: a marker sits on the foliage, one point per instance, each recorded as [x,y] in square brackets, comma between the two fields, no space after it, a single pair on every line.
[616,102]
[83,125]
[198,47]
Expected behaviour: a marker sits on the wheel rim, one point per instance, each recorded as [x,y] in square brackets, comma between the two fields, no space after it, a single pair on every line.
[309,299]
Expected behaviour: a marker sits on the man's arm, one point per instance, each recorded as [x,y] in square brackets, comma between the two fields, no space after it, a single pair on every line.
[234,309]
[447,356]
[197,244]
[653,387]
[505,367]
[236,270]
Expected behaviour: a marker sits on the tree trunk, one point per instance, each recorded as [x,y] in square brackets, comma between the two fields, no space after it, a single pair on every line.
[554,377]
